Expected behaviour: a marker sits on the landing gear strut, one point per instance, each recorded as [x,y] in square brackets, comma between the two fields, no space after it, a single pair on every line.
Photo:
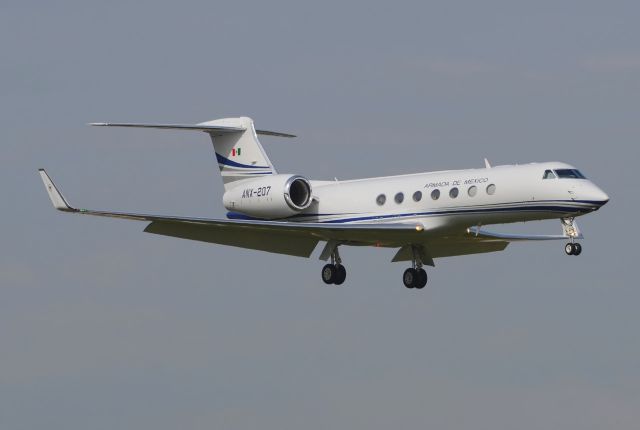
[570,229]
[415,276]
[334,272]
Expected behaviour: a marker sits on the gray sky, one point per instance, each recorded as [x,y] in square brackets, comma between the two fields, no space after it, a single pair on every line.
[104,327]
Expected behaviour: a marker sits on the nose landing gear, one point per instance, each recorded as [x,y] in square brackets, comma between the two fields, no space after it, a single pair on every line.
[571,230]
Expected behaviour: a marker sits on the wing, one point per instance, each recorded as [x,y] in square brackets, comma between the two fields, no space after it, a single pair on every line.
[447,246]
[475,241]
[291,238]
[488,236]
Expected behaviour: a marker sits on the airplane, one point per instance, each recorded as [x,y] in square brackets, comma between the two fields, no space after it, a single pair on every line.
[425,216]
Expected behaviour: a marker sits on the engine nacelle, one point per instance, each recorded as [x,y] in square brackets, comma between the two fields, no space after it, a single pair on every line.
[270,197]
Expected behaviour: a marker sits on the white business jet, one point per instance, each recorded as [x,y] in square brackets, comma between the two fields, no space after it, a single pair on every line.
[425,215]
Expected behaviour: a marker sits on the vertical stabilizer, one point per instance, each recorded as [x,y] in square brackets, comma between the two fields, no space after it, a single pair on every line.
[239,154]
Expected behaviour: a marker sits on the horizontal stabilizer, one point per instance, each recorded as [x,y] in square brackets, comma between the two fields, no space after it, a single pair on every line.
[206,127]
[220,129]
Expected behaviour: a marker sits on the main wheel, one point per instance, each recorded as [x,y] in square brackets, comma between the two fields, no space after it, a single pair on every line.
[577,249]
[341,275]
[569,249]
[409,277]
[329,272]
[422,278]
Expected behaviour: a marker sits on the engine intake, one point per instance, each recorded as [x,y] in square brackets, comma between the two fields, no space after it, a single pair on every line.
[297,193]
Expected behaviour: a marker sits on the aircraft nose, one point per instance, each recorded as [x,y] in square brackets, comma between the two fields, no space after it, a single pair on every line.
[598,197]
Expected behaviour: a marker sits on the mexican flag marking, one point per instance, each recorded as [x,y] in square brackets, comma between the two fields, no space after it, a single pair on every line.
[235,152]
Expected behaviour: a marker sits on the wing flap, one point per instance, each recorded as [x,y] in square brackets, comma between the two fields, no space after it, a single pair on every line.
[442,249]
[406,253]
[280,242]
[448,248]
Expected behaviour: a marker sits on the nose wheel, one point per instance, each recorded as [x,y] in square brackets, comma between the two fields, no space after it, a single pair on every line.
[573,248]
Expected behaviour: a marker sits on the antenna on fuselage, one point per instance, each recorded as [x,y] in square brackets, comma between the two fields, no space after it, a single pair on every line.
[487,164]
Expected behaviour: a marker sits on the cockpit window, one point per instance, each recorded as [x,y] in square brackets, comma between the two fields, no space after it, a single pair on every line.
[569,174]
[548,174]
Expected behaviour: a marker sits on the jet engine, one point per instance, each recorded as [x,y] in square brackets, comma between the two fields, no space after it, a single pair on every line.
[270,197]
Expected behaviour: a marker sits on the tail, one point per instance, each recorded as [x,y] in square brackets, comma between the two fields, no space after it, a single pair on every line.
[235,140]
[239,155]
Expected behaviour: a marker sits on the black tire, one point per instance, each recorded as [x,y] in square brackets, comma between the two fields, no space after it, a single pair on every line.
[422,279]
[577,249]
[341,275]
[569,249]
[329,273]
[409,277]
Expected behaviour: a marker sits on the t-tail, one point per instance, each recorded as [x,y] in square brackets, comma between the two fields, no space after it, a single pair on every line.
[235,141]
[239,154]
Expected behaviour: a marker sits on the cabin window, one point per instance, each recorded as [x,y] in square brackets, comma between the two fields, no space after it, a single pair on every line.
[435,194]
[453,192]
[381,199]
[472,191]
[569,174]
[548,174]
[417,196]
[491,189]
[399,198]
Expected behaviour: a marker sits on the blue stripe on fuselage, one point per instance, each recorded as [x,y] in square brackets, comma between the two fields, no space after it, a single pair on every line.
[576,207]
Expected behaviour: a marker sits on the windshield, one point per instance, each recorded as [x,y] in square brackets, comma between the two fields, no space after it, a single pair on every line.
[569,174]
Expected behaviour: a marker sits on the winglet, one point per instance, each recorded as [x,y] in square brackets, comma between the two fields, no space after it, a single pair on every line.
[487,164]
[56,197]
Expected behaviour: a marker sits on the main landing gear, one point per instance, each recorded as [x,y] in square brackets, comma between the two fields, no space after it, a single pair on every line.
[415,276]
[571,230]
[334,272]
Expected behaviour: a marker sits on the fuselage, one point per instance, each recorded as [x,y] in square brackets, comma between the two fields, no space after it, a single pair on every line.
[456,199]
